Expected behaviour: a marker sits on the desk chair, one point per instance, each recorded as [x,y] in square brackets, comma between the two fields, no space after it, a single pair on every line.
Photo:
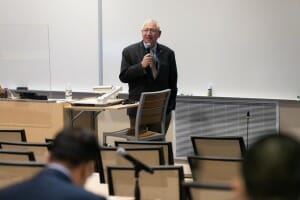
[167,147]
[214,169]
[147,155]
[218,146]
[39,149]
[207,191]
[13,135]
[163,184]
[16,155]
[152,109]
[12,172]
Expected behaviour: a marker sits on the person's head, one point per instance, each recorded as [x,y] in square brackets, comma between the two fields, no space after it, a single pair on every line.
[77,150]
[271,168]
[150,31]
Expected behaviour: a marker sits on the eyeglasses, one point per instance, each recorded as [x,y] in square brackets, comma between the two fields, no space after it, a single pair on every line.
[149,30]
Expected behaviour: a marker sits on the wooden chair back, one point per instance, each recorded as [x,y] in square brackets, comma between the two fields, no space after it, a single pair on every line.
[163,184]
[39,149]
[152,109]
[218,146]
[12,172]
[167,147]
[206,191]
[147,155]
[13,135]
[16,155]
[214,169]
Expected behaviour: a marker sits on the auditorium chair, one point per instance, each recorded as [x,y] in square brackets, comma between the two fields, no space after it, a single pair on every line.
[12,172]
[16,155]
[163,184]
[167,147]
[152,109]
[214,169]
[39,149]
[229,146]
[12,135]
[147,155]
[207,191]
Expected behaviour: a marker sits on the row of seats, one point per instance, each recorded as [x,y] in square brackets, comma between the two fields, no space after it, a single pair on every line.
[111,170]
[19,159]
[151,153]
[212,171]
[162,184]
[14,144]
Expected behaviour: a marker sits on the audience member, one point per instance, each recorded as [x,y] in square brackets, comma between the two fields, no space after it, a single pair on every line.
[271,169]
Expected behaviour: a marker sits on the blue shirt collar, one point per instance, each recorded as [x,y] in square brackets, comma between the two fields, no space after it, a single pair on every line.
[60,167]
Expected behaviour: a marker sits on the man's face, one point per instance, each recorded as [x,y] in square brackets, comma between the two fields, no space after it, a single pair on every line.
[150,33]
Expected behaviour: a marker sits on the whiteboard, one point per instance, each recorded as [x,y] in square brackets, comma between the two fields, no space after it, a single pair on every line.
[24,56]
[243,48]
[50,43]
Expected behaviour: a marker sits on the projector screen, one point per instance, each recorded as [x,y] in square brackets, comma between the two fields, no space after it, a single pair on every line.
[247,48]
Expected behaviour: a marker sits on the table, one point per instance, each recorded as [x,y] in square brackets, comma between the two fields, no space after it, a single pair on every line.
[94,110]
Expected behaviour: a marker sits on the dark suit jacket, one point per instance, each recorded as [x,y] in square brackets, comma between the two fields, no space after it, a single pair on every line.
[49,184]
[141,80]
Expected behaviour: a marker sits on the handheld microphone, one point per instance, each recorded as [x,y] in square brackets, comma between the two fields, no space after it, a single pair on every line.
[148,47]
[137,164]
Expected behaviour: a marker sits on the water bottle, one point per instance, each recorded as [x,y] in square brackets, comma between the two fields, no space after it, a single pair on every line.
[209,91]
[68,92]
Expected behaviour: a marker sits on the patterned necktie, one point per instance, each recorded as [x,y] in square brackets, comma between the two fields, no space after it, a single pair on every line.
[153,66]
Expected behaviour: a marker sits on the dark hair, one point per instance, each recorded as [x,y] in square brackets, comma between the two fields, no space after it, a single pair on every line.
[271,168]
[74,145]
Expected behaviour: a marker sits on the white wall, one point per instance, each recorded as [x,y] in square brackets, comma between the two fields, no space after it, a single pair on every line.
[244,48]
[63,36]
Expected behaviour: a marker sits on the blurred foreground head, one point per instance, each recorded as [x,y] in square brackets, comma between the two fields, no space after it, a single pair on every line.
[74,146]
[271,168]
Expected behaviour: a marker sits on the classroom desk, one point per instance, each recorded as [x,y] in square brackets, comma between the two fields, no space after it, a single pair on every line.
[75,112]
[43,119]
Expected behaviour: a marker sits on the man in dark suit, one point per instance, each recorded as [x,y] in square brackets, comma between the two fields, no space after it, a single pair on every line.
[148,66]
[71,162]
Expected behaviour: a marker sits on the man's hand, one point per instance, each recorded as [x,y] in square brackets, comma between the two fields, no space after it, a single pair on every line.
[147,60]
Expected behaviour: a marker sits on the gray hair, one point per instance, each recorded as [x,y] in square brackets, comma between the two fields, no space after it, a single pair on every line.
[151,21]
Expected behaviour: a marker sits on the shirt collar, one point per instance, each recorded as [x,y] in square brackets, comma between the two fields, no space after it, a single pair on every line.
[59,167]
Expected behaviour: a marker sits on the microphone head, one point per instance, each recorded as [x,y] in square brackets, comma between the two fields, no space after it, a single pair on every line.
[148,47]
[121,151]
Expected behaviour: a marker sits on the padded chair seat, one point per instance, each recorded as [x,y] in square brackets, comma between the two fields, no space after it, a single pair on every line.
[143,133]
[129,134]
